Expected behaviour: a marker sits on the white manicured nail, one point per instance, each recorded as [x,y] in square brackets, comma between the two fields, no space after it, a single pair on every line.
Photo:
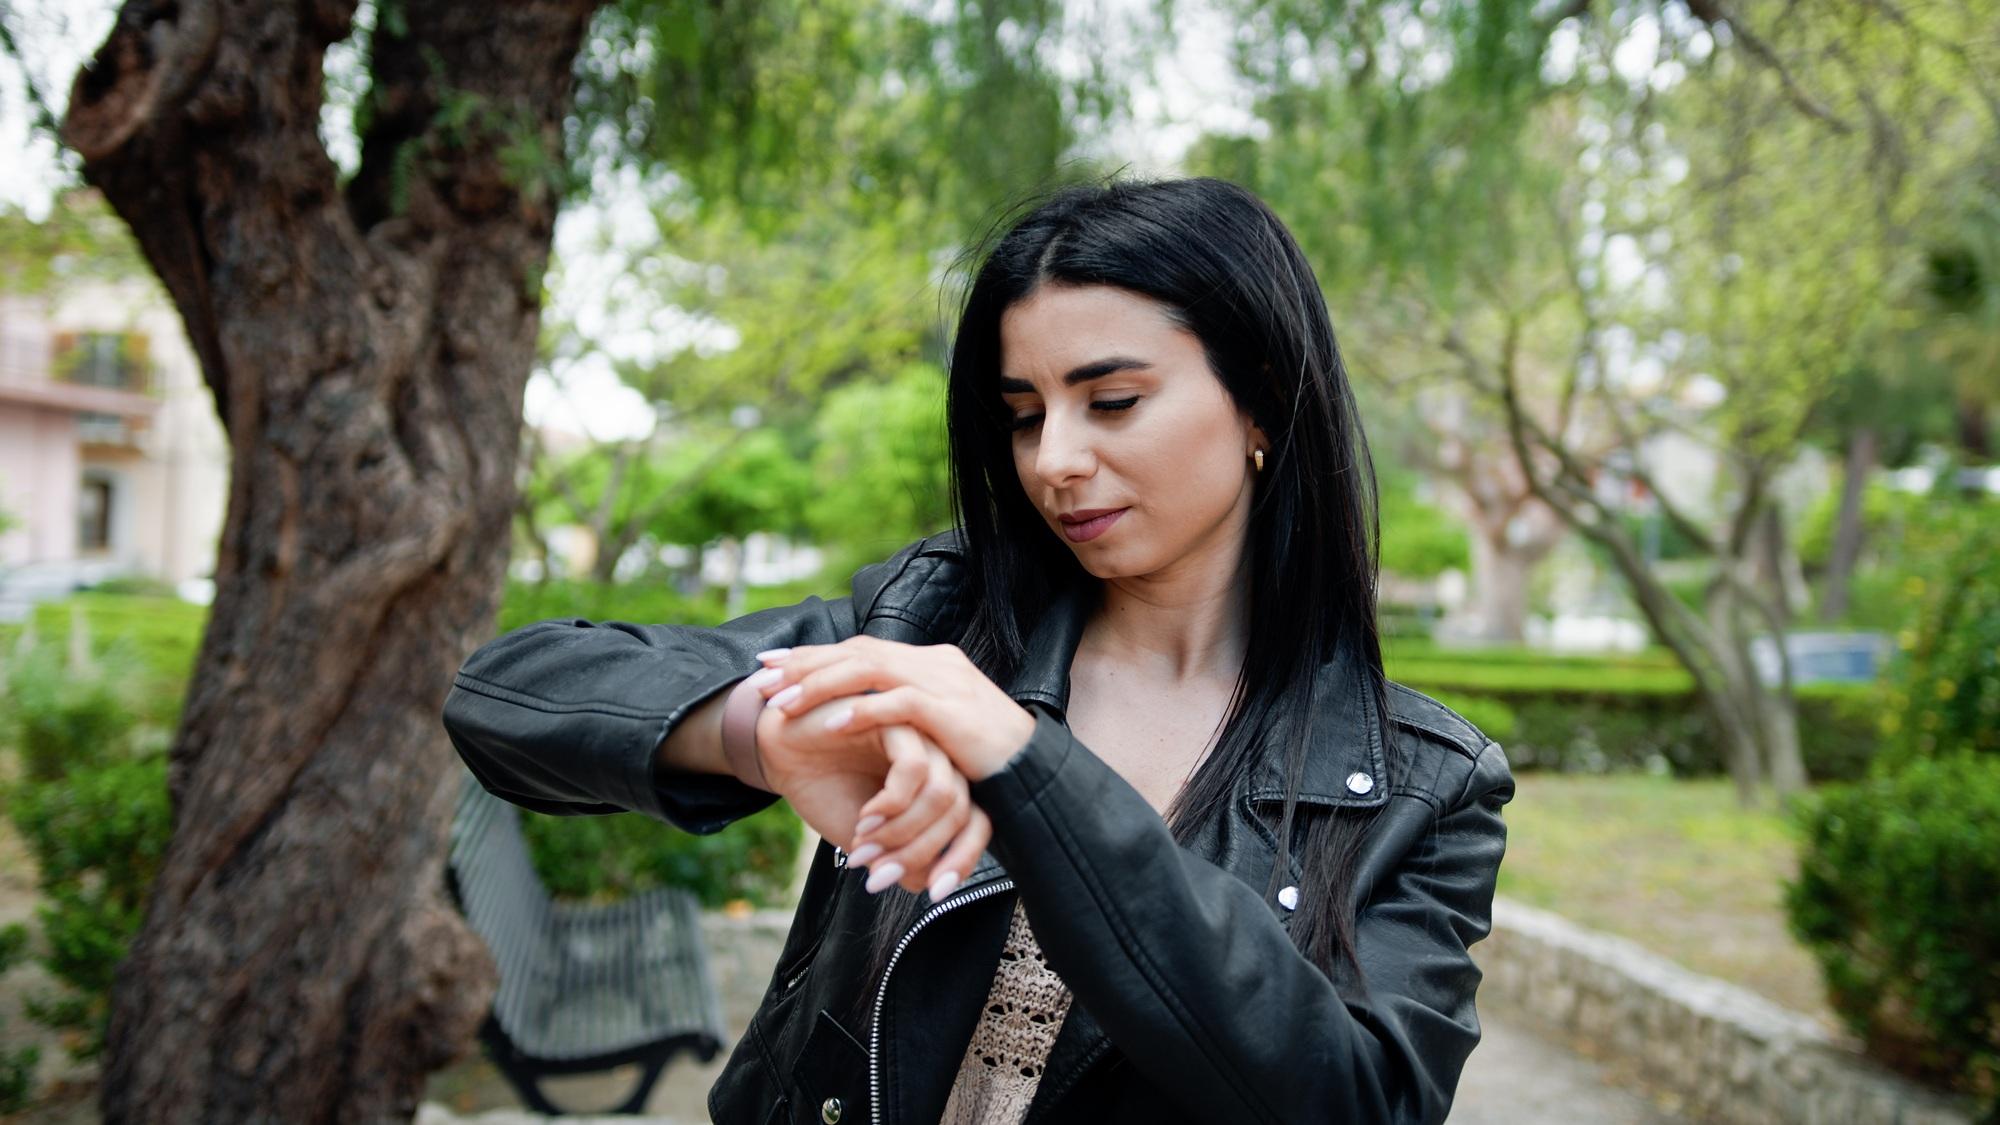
[884,877]
[868,824]
[764,676]
[786,696]
[943,884]
[860,856]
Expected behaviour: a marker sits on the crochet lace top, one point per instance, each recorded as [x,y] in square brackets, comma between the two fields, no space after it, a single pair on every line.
[1003,1062]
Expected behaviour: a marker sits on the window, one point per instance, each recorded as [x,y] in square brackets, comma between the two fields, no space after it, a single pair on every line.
[103,359]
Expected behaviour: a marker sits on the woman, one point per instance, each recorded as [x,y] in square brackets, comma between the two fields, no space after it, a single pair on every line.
[1170,846]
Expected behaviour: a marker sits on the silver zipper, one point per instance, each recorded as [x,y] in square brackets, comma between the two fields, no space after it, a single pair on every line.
[882,992]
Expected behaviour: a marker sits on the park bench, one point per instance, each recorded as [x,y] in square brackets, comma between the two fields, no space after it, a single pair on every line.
[582,988]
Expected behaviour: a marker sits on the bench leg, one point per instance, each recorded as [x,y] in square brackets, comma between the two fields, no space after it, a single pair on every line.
[649,1075]
[526,1081]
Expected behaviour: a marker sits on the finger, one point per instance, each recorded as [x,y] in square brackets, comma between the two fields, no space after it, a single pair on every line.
[808,657]
[906,704]
[893,662]
[958,860]
[909,765]
[909,770]
[919,857]
[853,675]
[942,789]
[936,816]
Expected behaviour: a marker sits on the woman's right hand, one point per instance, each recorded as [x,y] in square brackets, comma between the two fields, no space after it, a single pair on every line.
[834,779]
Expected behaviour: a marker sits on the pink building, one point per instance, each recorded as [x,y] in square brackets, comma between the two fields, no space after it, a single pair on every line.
[112,461]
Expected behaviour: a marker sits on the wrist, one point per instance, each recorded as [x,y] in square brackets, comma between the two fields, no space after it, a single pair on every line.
[1018,733]
[739,735]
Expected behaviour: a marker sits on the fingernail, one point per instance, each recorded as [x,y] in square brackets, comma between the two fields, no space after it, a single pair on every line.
[786,696]
[773,653]
[838,719]
[860,856]
[868,824]
[764,676]
[884,877]
[942,885]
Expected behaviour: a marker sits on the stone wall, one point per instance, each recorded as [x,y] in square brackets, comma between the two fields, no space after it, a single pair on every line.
[1734,1056]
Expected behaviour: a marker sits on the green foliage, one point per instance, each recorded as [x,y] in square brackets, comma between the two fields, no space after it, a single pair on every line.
[97,834]
[79,239]
[774,105]
[1493,717]
[601,858]
[644,602]
[1904,537]
[754,482]
[1898,896]
[1946,685]
[1419,540]
[1619,713]
[17,1066]
[879,466]
[60,716]
[151,642]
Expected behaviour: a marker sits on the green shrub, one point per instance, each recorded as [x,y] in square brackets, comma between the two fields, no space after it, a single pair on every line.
[614,857]
[97,835]
[1898,897]
[649,603]
[1492,716]
[17,1066]
[62,717]
[1627,716]
[1946,682]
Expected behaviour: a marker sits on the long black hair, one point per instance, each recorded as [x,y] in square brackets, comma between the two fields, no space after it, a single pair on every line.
[1227,270]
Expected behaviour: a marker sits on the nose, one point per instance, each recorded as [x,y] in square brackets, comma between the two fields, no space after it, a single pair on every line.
[1062,453]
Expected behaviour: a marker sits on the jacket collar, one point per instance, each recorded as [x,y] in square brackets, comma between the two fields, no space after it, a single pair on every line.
[1344,763]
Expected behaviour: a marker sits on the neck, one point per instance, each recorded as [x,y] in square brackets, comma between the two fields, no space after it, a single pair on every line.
[1188,621]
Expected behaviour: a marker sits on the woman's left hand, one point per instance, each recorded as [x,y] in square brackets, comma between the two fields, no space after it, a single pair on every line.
[935,688]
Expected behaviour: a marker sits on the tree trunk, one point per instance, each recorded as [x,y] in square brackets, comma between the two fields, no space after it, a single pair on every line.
[738,589]
[1975,430]
[1846,550]
[368,351]
[1500,574]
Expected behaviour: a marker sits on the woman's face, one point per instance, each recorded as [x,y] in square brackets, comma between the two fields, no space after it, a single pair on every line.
[1116,411]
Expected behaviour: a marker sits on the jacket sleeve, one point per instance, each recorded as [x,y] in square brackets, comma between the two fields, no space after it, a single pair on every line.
[566,716]
[1197,981]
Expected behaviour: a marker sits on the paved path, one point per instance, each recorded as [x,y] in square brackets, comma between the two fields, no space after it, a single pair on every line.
[1516,1076]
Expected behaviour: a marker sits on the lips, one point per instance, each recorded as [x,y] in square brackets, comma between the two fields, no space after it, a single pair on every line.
[1083,526]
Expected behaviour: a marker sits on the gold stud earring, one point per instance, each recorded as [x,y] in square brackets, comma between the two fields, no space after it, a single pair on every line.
[1259,456]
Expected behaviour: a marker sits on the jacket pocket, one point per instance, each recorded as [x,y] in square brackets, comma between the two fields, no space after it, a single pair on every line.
[830,1081]
[810,923]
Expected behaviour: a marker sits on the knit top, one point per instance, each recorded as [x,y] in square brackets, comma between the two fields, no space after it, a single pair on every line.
[1017,1025]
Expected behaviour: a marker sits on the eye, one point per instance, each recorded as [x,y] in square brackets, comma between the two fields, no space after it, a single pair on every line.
[1027,421]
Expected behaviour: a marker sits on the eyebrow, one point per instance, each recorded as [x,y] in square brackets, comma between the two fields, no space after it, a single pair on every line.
[1084,374]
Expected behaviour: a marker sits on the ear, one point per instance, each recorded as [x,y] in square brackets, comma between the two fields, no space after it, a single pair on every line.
[1255,438]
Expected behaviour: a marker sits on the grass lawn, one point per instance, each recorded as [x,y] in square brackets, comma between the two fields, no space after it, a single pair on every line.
[1674,865]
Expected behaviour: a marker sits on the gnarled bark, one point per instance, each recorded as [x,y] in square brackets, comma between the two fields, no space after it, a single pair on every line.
[367,348]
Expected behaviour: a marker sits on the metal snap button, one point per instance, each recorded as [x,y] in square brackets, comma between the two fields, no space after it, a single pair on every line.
[829,1111]
[1289,898]
[839,857]
[1358,782]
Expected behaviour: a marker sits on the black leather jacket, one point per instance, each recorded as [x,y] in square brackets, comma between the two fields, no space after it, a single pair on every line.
[1190,1001]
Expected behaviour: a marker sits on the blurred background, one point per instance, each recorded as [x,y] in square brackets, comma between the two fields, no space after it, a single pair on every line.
[1676,328]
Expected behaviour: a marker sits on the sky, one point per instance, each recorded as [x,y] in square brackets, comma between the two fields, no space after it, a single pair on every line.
[1192,91]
